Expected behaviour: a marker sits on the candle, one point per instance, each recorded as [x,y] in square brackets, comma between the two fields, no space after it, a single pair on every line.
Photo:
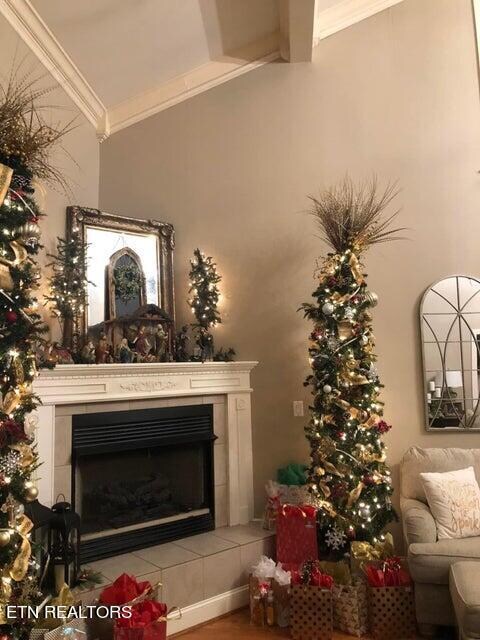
[431,385]
[429,398]
[438,392]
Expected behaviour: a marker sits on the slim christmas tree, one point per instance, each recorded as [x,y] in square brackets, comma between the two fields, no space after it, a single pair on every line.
[348,477]
[68,287]
[25,142]
[204,300]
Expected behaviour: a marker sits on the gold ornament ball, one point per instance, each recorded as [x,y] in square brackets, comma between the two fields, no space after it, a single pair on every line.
[5,537]
[31,493]
[372,298]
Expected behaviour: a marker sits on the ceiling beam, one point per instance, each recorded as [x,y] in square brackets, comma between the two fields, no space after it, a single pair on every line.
[297,19]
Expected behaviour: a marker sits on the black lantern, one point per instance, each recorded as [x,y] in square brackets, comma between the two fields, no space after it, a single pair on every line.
[64,544]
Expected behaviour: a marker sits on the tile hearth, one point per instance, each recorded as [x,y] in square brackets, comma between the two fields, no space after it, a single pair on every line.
[192,569]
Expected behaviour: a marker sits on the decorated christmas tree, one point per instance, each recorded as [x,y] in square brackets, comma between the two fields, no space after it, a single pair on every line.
[204,300]
[68,287]
[348,476]
[25,142]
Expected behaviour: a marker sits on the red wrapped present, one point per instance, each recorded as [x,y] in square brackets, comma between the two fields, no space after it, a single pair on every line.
[124,590]
[296,534]
[147,622]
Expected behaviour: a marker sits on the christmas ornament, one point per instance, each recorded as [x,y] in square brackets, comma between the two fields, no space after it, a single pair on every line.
[11,317]
[332,343]
[372,298]
[328,309]
[10,462]
[327,388]
[349,313]
[335,539]
[31,493]
[5,537]
[383,427]
[29,234]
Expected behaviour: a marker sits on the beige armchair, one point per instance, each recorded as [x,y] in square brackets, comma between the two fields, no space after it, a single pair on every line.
[430,559]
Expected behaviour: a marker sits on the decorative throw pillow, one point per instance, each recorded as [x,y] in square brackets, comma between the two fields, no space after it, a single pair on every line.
[454,500]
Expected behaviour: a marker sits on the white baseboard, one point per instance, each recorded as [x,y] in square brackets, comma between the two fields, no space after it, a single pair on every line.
[206,610]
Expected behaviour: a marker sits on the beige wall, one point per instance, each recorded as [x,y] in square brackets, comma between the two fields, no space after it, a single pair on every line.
[81,169]
[397,95]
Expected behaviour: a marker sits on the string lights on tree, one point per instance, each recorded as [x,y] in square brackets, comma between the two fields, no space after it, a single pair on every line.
[68,286]
[348,476]
[25,142]
[204,299]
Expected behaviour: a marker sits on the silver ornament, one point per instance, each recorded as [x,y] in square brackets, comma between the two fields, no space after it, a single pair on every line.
[372,298]
[327,388]
[29,233]
[349,313]
[328,309]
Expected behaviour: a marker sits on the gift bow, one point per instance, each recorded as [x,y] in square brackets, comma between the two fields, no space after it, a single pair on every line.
[377,551]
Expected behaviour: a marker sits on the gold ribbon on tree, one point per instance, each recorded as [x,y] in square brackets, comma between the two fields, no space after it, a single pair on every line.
[356,269]
[19,568]
[355,494]
[6,174]
[25,450]
[20,255]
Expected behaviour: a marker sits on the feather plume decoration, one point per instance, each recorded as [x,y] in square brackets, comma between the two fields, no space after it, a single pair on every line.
[351,216]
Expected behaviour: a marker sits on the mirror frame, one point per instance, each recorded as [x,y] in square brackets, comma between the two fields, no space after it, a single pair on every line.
[78,218]
[428,427]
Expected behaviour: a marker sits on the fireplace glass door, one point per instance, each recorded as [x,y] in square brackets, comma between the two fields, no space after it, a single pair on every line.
[142,477]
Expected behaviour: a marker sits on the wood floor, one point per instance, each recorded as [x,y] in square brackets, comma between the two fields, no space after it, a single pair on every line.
[237,627]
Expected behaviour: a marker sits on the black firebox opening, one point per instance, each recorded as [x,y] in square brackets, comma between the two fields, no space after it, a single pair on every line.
[142,477]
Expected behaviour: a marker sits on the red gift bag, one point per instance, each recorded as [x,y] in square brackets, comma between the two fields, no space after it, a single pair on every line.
[296,534]
[147,622]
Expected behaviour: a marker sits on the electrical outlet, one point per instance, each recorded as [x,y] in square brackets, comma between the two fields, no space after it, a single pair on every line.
[298,408]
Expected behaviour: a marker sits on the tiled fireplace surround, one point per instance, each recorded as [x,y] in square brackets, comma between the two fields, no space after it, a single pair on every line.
[206,574]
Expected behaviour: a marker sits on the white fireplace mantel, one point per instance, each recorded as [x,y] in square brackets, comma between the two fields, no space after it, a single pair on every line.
[92,384]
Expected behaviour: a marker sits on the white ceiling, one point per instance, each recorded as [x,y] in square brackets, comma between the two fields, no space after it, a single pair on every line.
[127,47]
[124,60]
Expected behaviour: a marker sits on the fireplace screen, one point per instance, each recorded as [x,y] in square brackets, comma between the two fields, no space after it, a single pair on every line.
[142,477]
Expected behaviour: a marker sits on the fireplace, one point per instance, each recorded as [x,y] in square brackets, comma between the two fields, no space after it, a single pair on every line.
[142,477]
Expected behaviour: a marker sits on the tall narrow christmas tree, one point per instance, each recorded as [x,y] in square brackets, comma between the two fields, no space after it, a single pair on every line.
[68,287]
[25,142]
[204,300]
[348,476]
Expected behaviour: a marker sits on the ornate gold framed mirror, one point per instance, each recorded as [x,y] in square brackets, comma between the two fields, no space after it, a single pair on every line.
[129,271]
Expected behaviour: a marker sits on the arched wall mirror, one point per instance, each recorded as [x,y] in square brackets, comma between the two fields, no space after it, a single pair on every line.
[450,332]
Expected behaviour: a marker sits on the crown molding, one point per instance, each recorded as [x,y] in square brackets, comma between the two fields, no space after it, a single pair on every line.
[194,82]
[29,25]
[26,21]
[345,14]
